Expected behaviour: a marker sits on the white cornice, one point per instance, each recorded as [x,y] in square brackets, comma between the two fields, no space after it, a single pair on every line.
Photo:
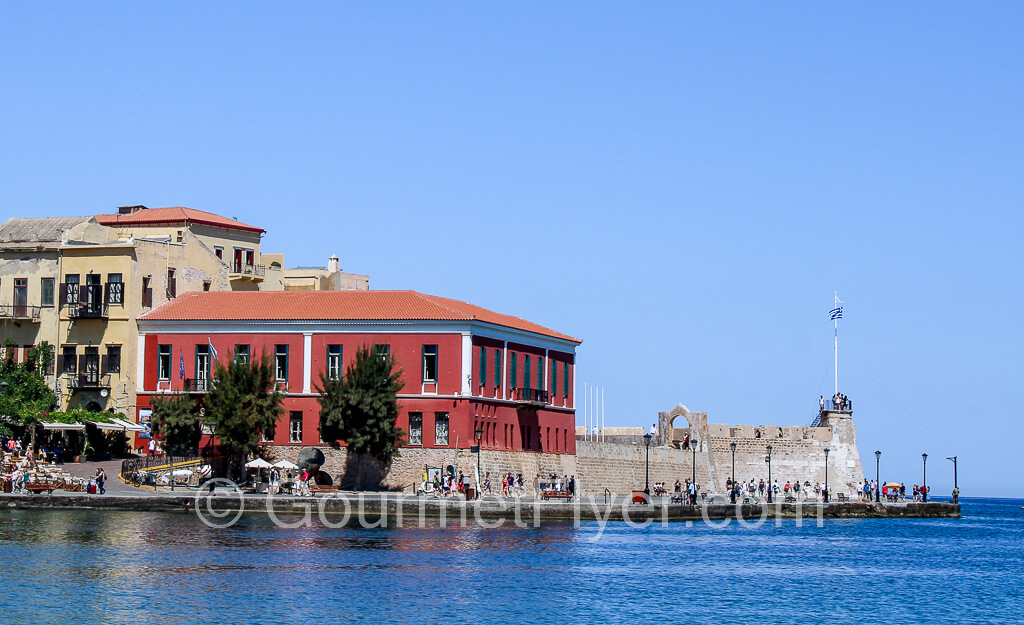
[391,326]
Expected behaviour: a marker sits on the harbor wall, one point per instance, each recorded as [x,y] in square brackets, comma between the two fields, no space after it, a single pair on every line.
[620,466]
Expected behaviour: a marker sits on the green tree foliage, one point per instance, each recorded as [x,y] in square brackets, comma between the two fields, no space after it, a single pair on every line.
[176,424]
[361,407]
[244,403]
[27,394]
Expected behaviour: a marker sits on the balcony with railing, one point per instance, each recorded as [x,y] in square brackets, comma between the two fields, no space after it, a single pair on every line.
[531,396]
[199,385]
[249,272]
[91,301]
[87,381]
[20,313]
[89,310]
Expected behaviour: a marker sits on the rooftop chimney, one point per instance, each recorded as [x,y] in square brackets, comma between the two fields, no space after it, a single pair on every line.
[333,265]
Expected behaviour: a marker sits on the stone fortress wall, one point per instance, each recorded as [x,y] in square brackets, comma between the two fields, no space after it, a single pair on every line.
[618,463]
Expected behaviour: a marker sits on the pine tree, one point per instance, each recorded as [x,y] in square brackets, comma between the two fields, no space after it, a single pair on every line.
[245,403]
[361,407]
[176,424]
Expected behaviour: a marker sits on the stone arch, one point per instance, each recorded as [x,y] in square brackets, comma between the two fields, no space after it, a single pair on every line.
[696,421]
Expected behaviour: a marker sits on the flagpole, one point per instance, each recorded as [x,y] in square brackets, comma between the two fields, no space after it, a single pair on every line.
[835,322]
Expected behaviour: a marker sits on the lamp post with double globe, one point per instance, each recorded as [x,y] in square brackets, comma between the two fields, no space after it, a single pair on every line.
[826,473]
[479,433]
[768,459]
[732,491]
[924,478]
[647,467]
[956,488]
[878,484]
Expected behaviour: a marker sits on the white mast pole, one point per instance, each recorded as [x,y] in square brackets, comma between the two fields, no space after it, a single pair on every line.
[604,417]
[835,323]
[586,421]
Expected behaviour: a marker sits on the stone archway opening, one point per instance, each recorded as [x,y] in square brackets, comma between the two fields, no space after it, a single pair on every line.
[681,437]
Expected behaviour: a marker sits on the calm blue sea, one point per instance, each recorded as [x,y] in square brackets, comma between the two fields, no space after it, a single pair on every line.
[85,566]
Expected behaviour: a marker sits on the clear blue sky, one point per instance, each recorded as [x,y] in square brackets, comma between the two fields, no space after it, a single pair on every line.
[682,185]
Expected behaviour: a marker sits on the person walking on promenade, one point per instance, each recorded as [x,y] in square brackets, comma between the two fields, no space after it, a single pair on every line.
[536,485]
[275,481]
[101,480]
[152,446]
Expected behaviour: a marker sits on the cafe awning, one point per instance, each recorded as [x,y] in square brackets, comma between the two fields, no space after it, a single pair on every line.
[63,426]
[130,427]
[114,427]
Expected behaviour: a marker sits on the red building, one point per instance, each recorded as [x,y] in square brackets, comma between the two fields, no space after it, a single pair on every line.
[464,367]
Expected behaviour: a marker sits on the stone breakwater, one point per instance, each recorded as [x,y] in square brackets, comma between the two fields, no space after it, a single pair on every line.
[406,510]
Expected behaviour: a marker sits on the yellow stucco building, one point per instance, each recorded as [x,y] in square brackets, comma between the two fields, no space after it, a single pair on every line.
[79,283]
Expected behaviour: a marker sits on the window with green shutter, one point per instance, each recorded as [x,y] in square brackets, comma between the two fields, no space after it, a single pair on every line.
[513,367]
[497,368]
[483,365]
[526,373]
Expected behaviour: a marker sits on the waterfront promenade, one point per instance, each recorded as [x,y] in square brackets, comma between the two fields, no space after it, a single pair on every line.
[410,507]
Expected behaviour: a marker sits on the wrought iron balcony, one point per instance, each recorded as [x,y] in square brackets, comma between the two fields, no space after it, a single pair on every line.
[250,271]
[89,310]
[530,396]
[91,301]
[87,381]
[26,313]
[198,385]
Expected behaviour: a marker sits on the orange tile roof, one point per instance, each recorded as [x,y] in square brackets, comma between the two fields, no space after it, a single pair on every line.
[174,214]
[333,306]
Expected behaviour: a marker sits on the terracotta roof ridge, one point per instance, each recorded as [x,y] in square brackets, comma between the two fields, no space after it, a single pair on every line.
[430,298]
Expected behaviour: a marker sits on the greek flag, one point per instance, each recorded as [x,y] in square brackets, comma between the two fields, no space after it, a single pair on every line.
[213,350]
[836,313]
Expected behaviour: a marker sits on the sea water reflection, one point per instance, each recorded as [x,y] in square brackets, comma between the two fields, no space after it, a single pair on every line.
[92,566]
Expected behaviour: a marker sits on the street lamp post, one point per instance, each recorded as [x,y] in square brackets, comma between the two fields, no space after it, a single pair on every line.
[924,478]
[826,473]
[956,488]
[732,491]
[479,432]
[878,484]
[693,465]
[647,467]
[768,459]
